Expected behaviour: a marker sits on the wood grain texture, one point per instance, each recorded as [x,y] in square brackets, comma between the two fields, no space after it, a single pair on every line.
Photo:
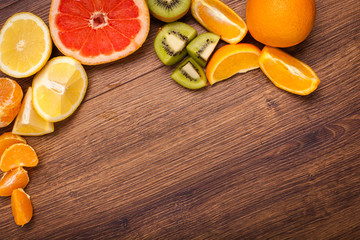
[143,158]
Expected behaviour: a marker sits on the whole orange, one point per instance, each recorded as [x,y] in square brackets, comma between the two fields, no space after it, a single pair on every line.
[280,23]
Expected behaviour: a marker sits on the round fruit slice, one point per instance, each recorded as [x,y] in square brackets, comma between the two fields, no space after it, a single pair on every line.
[96,32]
[232,59]
[10,100]
[25,45]
[59,88]
[28,122]
[220,19]
[287,72]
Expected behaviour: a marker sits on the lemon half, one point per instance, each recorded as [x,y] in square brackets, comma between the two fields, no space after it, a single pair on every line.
[59,88]
[25,45]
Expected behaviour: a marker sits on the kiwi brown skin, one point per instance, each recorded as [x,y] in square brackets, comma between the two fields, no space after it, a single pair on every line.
[167,19]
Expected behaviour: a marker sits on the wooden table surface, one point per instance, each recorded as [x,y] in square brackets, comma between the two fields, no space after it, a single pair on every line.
[144,158]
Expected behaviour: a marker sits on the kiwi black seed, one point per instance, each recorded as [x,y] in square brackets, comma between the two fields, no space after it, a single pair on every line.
[190,74]
[201,48]
[168,10]
[170,43]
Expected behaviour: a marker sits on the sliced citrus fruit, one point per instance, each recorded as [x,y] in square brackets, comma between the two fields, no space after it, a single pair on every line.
[231,59]
[18,155]
[220,19]
[7,139]
[96,32]
[25,45]
[59,88]
[28,122]
[287,72]
[13,179]
[10,100]
[21,207]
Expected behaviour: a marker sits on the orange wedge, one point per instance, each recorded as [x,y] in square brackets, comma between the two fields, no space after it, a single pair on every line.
[21,207]
[287,72]
[13,179]
[232,59]
[18,155]
[220,19]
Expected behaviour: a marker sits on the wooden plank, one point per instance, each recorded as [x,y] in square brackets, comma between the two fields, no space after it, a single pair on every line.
[143,158]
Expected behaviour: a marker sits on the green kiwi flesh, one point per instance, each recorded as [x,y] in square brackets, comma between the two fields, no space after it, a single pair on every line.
[190,74]
[168,10]
[170,43]
[201,48]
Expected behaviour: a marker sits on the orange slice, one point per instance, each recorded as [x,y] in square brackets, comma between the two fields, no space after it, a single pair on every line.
[101,31]
[10,100]
[220,19]
[13,179]
[287,72]
[7,139]
[18,155]
[232,59]
[21,207]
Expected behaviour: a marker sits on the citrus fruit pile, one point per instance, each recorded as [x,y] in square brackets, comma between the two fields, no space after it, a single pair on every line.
[15,154]
[96,32]
[86,32]
[273,23]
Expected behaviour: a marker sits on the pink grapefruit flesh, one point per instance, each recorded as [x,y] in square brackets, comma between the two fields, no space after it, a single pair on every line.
[98,31]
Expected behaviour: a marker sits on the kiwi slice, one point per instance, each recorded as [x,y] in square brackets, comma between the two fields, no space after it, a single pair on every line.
[170,43]
[190,75]
[202,47]
[168,10]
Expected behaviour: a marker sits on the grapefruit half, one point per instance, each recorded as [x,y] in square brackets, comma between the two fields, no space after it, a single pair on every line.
[98,31]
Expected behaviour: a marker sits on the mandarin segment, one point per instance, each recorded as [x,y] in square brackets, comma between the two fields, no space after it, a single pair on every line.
[13,179]
[287,72]
[21,207]
[10,100]
[18,155]
[7,139]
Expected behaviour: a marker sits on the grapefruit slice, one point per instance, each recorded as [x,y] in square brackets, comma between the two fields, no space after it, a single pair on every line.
[98,31]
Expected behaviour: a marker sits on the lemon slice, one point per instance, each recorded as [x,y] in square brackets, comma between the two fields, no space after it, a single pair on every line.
[28,122]
[59,88]
[25,45]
